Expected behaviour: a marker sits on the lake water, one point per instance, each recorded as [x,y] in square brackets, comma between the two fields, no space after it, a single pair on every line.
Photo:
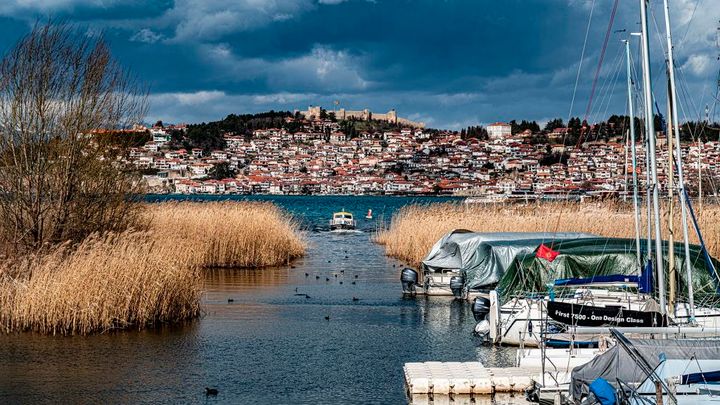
[268,346]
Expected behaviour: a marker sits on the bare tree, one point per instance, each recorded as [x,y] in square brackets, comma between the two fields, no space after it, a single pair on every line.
[59,181]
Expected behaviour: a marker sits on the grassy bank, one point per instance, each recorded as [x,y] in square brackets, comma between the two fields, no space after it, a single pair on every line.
[414,229]
[138,279]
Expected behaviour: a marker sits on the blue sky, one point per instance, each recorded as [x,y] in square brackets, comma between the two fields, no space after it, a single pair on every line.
[448,63]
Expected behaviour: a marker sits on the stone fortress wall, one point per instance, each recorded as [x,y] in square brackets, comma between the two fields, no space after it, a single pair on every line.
[364,115]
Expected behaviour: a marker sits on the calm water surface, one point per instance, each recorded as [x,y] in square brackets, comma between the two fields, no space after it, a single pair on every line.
[269,346]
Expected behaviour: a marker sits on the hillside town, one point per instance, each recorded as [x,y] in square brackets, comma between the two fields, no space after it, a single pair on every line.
[318,157]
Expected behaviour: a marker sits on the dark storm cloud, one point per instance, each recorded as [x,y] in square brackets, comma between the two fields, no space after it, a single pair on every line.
[449,63]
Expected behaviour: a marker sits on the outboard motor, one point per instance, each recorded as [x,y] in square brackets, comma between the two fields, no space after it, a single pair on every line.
[409,279]
[456,285]
[480,308]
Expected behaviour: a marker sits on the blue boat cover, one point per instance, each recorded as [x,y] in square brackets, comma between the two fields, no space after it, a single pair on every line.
[646,278]
[612,278]
[700,378]
[603,391]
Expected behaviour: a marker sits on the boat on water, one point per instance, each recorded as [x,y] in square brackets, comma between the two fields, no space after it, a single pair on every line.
[639,371]
[342,220]
[589,286]
[466,264]
[521,298]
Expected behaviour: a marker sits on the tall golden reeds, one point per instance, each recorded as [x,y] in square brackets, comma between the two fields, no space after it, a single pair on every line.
[228,234]
[414,229]
[142,278]
[110,282]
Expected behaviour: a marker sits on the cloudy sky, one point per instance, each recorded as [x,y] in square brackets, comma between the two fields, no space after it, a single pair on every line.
[449,63]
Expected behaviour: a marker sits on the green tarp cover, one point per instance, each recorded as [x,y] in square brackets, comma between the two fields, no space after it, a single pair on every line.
[601,256]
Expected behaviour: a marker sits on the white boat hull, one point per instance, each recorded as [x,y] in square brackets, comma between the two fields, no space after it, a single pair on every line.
[520,321]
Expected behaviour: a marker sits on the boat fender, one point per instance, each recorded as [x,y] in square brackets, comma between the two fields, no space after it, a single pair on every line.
[482,328]
[603,391]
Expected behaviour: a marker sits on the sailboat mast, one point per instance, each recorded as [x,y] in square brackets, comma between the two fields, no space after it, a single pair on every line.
[633,153]
[650,125]
[625,162]
[699,163]
[681,180]
[672,275]
[648,192]
[648,197]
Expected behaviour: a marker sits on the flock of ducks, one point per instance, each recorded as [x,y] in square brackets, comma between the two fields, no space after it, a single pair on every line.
[212,392]
[327,279]
[335,275]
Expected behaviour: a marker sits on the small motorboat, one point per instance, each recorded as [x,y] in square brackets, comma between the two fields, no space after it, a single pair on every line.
[369,214]
[342,220]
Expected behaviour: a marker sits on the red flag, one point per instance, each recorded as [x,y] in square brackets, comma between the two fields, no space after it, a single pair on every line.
[546,253]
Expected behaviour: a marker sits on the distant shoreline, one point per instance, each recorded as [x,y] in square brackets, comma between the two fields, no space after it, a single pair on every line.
[217,196]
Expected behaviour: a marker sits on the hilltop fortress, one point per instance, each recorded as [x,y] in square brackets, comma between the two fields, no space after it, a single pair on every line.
[364,115]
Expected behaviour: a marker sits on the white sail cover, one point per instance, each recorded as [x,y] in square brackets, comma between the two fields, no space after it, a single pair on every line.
[483,257]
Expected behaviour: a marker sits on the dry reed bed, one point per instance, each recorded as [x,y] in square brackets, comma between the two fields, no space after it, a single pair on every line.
[142,278]
[247,234]
[415,228]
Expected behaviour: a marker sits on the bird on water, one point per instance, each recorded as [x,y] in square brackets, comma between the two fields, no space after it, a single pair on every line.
[327,317]
[211,392]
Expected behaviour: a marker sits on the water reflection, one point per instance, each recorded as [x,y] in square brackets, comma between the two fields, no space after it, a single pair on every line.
[229,279]
[118,367]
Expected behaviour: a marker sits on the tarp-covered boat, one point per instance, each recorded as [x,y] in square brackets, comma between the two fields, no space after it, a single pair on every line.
[593,257]
[602,277]
[481,258]
[617,364]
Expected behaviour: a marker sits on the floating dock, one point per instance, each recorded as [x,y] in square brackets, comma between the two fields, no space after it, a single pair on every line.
[458,378]
[450,399]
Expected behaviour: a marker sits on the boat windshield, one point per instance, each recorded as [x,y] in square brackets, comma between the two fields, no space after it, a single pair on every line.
[346,216]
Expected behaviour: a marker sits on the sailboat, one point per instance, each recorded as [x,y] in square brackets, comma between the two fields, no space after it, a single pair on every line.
[586,288]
